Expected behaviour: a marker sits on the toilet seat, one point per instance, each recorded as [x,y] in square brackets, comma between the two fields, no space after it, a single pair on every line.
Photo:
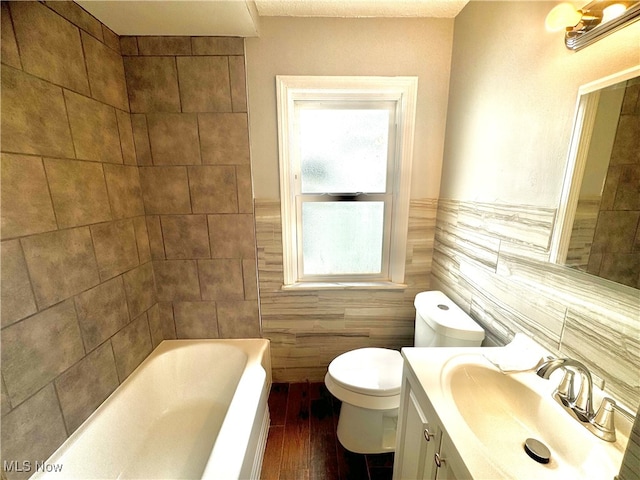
[368,371]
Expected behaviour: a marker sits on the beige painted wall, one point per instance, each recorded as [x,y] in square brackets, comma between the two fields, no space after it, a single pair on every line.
[512,101]
[323,46]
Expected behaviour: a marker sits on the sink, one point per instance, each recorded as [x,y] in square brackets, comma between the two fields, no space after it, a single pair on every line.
[495,413]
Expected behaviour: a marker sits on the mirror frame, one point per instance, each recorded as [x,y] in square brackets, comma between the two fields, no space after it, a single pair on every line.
[586,108]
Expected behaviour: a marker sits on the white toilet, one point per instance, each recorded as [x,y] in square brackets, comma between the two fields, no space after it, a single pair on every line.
[367,380]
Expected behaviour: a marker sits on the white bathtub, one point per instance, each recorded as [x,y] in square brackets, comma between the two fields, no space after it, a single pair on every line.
[192,409]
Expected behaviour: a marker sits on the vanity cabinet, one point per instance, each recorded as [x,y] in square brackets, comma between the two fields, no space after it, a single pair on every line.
[423,449]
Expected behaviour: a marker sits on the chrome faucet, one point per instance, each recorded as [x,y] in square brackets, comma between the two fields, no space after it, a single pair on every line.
[600,423]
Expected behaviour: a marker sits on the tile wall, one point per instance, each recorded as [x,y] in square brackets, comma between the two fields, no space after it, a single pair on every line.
[126,203]
[189,117]
[491,259]
[310,328]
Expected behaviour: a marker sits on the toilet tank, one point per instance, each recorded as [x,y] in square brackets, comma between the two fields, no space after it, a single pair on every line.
[441,323]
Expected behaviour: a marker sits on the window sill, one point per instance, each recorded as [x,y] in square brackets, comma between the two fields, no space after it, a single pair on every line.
[345,286]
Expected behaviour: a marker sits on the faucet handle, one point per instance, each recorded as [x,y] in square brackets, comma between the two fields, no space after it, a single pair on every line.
[604,419]
[583,406]
[565,389]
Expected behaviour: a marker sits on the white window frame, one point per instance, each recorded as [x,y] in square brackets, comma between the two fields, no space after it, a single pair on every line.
[400,90]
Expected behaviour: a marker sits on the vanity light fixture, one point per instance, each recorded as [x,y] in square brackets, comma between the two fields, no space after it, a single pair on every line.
[592,22]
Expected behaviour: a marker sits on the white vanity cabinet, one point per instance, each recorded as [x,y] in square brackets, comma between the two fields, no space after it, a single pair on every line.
[423,450]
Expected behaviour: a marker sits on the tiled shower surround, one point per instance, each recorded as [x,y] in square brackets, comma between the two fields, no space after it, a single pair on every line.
[126,210]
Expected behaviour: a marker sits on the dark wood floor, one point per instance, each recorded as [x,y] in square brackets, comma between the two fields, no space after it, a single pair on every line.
[302,443]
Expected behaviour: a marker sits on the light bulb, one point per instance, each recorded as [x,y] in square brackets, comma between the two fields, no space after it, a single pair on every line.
[562,16]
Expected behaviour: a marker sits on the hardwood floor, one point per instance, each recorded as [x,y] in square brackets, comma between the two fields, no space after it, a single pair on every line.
[302,442]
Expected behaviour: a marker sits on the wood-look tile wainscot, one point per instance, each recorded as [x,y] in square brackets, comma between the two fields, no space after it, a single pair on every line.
[302,443]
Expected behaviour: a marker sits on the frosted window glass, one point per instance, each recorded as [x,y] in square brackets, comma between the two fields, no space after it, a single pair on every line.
[343,150]
[342,237]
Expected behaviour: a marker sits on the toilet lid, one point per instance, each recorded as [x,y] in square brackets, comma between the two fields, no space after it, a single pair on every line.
[370,371]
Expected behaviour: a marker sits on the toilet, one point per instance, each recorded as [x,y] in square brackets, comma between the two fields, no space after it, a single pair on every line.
[367,380]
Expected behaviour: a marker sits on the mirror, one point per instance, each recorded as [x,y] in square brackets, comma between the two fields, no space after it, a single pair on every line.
[598,225]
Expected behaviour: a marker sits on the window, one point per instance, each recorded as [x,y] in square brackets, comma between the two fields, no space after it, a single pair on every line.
[345,168]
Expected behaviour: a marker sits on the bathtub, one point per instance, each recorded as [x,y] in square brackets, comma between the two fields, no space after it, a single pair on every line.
[192,409]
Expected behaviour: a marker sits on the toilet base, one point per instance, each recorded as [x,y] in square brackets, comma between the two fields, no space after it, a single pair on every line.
[362,430]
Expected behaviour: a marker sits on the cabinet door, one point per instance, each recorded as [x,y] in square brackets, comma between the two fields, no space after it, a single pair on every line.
[418,444]
[448,464]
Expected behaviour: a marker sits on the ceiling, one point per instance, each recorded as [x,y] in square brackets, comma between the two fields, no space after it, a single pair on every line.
[241,18]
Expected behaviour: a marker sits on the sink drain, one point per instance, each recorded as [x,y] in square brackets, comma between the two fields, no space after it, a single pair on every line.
[537,450]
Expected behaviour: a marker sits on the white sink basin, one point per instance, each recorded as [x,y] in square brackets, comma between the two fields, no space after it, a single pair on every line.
[503,410]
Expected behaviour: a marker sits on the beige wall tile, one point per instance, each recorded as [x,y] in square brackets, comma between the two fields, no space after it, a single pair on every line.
[156,243]
[615,232]
[60,264]
[165,45]
[232,236]
[196,320]
[152,84]
[34,116]
[141,139]
[26,203]
[131,345]
[165,190]
[221,279]
[224,138]
[155,325]
[126,138]
[204,84]
[78,16]
[129,45]
[50,46]
[238,319]
[245,189]
[33,430]
[167,322]
[140,288]
[38,349]
[217,45]
[185,236]
[79,192]
[250,278]
[213,189]
[102,311]
[626,146]
[125,194]
[94,128]
[17,300]
[106,73]
[174,138]
[116,247]
[176,280]
[10,55]
[142,239]
[83,387]
[5,403]
[238,83]
[111,38]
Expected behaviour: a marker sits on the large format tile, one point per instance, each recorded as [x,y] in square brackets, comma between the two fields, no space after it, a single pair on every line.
[38,349]
[196,320]
[78,191]
[106,73]
[165,45]
[165,190]
[232,236]
[78,16]
[142,239]
[60,264]
[174,138]
[10,55]
[17,299]
[83,387]
[33,430]
[140,288]
[125,193]
[26,202]
[185,236]
[238,83]
[152,84]
[95,129]
[213,189]
[238,319]
[50,46]
[127,142]
[221,279]
[116,247]
[176,280]
[34,116]
[131,345]
[224,138]
[102,311]
[204,84]
[141,139]
[217,45]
